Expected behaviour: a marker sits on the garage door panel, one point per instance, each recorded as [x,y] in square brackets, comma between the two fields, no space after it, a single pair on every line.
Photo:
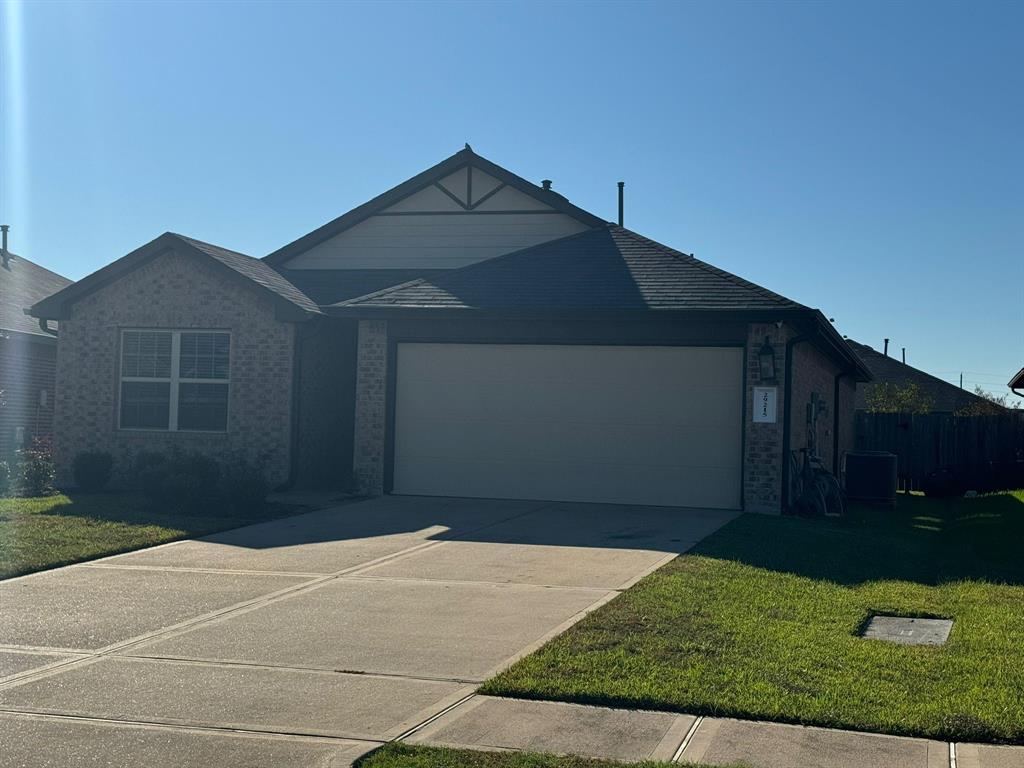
[574,481]
[573,364]
[642,425]
[572,401]
[609,443]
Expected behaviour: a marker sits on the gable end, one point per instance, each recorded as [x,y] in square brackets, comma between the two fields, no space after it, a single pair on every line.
[463,210]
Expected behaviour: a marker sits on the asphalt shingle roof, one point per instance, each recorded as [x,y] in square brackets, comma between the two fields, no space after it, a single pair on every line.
[22,284]
[330,286]
[253,270]
[946,397]
[257,270]
[606,268]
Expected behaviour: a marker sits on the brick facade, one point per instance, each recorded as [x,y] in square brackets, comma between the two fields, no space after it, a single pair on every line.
[370,407]
[175,292]
[27,371]
[813,372]
[762,460]
[847,418]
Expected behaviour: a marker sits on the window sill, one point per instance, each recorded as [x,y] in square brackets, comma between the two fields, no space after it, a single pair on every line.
[158,433]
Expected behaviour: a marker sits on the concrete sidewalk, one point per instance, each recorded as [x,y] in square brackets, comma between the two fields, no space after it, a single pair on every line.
[483,722]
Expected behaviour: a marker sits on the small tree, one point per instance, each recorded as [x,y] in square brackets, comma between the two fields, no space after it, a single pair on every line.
[989,405]
[35,469]
[886,397]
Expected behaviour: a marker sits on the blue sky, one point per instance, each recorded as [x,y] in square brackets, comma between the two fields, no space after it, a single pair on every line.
[867,159]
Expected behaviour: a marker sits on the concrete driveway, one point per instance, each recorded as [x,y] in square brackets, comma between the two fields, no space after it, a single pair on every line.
[310,640]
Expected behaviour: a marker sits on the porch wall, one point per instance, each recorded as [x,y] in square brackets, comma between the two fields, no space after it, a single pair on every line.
[326,387]
[370,407]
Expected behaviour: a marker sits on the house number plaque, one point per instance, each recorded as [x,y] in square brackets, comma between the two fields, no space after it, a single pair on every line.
[765,404]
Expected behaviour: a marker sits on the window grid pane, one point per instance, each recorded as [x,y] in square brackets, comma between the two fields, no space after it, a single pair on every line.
[146,354]
[203,407]
[204,355]
[145,405]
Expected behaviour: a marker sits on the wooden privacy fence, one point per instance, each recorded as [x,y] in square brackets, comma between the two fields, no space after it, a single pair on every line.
[984,452]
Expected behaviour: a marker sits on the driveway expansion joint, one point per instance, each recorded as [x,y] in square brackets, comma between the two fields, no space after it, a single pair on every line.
[419,580]
[193,569]
[195,661]
[433,718]
[190,726]
[678,756]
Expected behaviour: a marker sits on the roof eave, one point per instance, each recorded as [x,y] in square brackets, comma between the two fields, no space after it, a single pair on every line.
[420,312]
[1017,382]
[37,337]
[844,351]
[57,306]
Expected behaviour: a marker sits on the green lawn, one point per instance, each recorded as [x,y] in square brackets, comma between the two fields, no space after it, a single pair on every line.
[761,621]
[57,530]
[397,755]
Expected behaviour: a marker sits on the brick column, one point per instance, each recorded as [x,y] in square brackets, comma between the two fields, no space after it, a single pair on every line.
[371,407]
[762,466]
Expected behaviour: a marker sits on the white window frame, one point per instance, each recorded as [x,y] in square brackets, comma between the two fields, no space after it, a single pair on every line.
[175,379]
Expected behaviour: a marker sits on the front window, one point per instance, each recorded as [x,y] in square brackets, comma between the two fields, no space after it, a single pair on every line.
[175,380]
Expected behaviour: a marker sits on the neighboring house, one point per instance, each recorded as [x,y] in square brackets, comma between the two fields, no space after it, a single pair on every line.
[27,354]
[1017,383]
[944,397]
[467,333]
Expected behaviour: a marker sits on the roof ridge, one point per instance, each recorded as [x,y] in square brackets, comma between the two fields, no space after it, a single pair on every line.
[711,268]
[16,257]
[468,268]
[197,242]
[932,376]
[381,292]
[669,250]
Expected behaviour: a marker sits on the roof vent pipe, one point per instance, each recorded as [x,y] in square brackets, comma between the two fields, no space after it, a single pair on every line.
[3,245]
[546,184]
[886,352]
[622,185]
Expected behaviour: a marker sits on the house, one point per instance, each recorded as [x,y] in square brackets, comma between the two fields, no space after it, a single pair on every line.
[943,396]
[1017,382]
[27,354]
[467,333]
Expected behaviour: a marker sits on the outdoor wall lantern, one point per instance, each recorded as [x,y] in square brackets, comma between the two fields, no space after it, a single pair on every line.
[766,359]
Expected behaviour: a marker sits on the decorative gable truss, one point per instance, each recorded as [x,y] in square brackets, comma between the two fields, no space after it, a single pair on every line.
[468,214]
[470,189]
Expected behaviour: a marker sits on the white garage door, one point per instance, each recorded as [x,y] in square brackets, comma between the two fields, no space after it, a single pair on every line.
[627,425]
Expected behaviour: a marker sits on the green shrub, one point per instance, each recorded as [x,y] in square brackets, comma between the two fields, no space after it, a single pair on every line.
[5,478]
[147,473]
[92,470]
[192,482]
[35,473]
[244,486]
[182,481]
[186,481]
